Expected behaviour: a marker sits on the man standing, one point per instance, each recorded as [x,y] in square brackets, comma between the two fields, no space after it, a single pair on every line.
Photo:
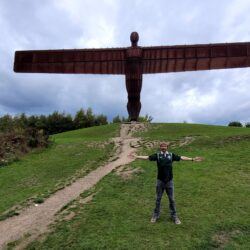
[164,161]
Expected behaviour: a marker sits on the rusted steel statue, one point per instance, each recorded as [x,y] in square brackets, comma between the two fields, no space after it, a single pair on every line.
[134,61]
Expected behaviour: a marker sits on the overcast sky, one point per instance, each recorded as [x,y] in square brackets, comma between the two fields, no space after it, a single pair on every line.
[210,97]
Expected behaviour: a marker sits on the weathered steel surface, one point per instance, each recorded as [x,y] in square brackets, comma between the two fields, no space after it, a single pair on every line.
[86,61]
[195,57]
[133,71]
[134,61]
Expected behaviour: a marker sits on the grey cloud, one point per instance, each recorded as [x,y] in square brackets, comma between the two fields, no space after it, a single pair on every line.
[204,97]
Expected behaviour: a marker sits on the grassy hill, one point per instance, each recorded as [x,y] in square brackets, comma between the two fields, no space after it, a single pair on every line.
[39,174]
[212,197]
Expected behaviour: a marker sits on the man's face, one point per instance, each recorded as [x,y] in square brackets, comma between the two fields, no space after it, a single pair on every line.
[163,147]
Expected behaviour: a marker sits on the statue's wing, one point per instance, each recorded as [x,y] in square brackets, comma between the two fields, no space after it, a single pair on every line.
[195,57]
[82,61]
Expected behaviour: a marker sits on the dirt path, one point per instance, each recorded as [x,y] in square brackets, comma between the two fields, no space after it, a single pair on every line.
[34,220]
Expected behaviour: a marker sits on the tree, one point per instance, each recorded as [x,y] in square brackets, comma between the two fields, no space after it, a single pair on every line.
[55,122]
[67,122]
[42,123]
[21,121]
[80,119]
[235,124]
[90,118]
[101,120]
[6,123]
[117,119]
[247,125]
[32,121]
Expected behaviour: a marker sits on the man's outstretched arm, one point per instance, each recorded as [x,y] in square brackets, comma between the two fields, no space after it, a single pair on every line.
[183,158]
[197,158]
[141,157]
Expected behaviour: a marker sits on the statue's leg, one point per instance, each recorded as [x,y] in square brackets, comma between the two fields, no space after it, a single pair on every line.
[134,90]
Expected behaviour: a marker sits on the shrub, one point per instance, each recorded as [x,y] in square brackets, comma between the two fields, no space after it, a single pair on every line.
[146,118]
[125,119]
[15,143]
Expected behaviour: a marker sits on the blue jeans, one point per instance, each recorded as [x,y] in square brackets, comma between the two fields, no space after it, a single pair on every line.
[169,188]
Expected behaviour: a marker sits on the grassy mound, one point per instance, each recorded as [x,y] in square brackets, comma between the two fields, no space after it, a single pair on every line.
[211,197]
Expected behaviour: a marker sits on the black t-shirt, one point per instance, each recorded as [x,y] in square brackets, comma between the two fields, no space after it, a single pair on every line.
[164,164]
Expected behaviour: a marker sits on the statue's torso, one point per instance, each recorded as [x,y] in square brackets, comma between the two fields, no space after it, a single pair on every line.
[133,64]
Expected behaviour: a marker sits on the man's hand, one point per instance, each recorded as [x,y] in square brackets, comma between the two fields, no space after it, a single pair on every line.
[132,155]
[198,158]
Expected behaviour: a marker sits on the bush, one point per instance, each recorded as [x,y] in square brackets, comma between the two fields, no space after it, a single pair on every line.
[14,144]
[235,124]
[145,118]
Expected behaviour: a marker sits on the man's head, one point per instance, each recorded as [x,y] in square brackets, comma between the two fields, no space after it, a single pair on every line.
[164,146]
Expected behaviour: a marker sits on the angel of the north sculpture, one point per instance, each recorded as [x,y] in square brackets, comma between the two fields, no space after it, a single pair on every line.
[134,61]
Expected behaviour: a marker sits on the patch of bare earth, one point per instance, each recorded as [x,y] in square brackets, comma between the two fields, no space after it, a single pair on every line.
[221,239]
[67,214]
[34,220]
[155,144]
[127,172]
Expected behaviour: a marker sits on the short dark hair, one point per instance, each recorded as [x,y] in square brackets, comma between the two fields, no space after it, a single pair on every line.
[162,144]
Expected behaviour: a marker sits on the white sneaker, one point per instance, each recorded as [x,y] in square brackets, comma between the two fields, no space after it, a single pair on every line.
[177,221]
[153,220]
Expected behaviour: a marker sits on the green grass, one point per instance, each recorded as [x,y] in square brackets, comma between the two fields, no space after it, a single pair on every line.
[41,173]
[212,199]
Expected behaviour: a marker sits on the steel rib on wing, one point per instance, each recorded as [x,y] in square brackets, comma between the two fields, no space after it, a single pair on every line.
[85,61]
[195,57]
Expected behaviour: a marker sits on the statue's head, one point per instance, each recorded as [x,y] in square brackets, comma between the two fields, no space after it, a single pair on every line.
[134,38]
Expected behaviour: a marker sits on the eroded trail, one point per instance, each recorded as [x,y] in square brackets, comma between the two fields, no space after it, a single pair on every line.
[34,220]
